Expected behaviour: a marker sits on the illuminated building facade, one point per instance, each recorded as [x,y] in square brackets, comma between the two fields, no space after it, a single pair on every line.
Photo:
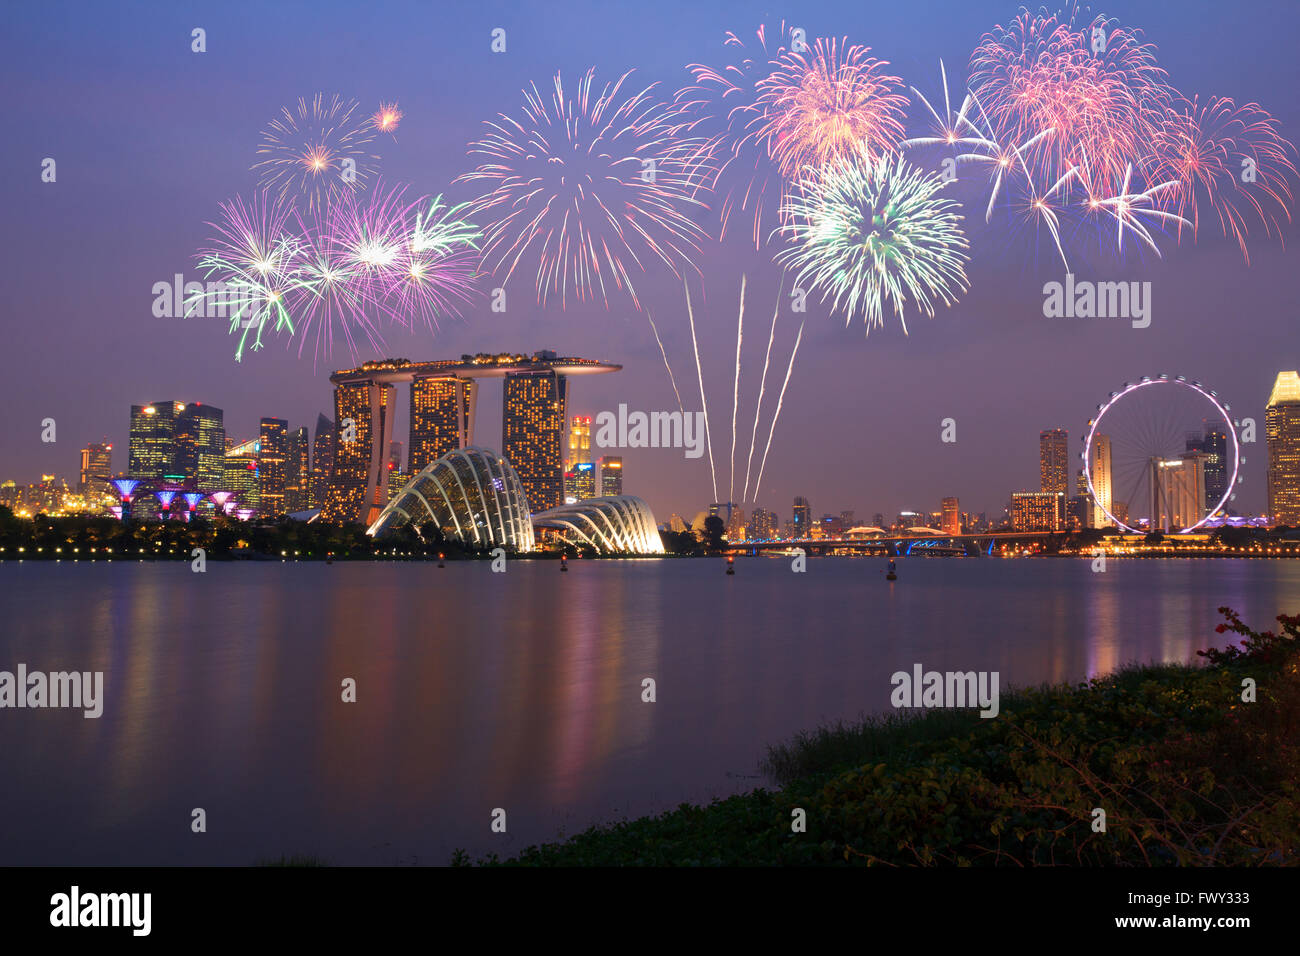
[1282,424]
[152,452]
[240,476]
[762,525]
[580,482]
[200,446]
[358,485]
[1102,482]
[272,464]
[96,469]
[610,476]
[1177,492]
[579,441]
[1054,460]
[322,459]
[1037,511]
[950,516]
[297,473]
[801,519]
[442,418]
[532,429]
[471,494]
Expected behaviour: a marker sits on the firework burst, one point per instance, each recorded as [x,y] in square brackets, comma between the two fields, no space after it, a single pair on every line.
[317,150]
[592,184]
[1095,87]
[386,118]
[1229,159]
[871,231]
[830,102]
[722,107]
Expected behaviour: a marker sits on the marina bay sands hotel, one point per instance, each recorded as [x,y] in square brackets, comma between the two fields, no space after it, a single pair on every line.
[444,397]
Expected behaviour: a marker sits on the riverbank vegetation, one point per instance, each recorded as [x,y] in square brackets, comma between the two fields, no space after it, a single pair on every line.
[1191,765]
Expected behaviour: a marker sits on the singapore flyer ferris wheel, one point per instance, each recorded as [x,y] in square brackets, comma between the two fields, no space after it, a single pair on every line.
[1161,455]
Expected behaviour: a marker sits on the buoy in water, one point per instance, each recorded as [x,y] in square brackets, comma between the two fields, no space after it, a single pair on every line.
[440,557]
[731,565]
[564,562]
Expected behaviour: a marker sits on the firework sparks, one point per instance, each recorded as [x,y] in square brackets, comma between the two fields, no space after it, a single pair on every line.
[254,257]
[722,107]
[780,400]
[871,231]
[591,184]
[387,118]
[830,103]
[708,438]
[1231,160]
[317,150]
[950,129]
[762,385]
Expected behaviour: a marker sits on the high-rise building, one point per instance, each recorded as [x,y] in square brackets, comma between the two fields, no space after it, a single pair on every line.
[532,430]
[297,474]
[1037,511]
[579,440]
[1282,424]
[96,469]
[201,446]
[848,519]
[442,418]
[736,525]
[152,453]
[801,519]
[1102,481]
[272,465]
[831,526]
[762,525]
[1214,446]
[1054,460]
[240,476]
[322,460]
[1177,492]
[358,485]
[610,477]
[580,482]
[878,520]
[950,520]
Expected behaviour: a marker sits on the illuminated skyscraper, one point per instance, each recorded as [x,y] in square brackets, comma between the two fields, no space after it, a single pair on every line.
[580,482]
[1282,423]
[96,469]
[240,476]
[762,525]
[1037,511]
[1054,460]
[532,431]
[579,441]
[272,464]
[201,446]
[442,418]
[358,485]
[611,475]
[1177,492]
[153,440]
[950,522]
[801,518]
[297,475]
[322,459]
[1101,481]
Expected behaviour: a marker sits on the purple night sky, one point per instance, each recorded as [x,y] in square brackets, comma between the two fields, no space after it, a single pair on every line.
[149,138]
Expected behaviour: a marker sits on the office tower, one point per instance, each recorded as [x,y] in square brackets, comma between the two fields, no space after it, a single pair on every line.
[1214,446]
[736,525]
[1078,512]
[240,476]
[677,523]
[394,455]
[1037,511]
[96,469]
[358,485]
[762,525]
[579,440]
[152,452]
[272,464]
[1282,424]
[322,459]
[878,520]
[297,475]
[909,519]
[1177,492]
[831,526]
[442,418]
[848,519]
[1102,480]
[580,482]
[611,475]
[1054,460]
[950,522]
[200,446]
[801,518]
[532,430]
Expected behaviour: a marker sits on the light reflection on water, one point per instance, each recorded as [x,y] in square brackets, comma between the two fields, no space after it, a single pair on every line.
[520,690]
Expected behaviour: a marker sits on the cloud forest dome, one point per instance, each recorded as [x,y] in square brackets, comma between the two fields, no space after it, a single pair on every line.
[472,494]
[621,524]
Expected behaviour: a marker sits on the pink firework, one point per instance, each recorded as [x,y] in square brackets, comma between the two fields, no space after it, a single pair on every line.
[591,184]
[826,103]
[1094,88]
[1229,159]
[722,106]
[386,118]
